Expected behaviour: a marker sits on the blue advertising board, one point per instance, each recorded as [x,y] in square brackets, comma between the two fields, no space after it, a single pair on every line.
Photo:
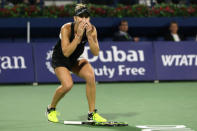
[43,68]
[176,61]
[16,63]
[116,62]
[123,61]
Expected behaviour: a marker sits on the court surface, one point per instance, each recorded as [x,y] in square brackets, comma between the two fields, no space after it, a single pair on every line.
[22,107]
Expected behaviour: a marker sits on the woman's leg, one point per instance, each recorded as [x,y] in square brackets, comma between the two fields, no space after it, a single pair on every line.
[65,78]
[84,70]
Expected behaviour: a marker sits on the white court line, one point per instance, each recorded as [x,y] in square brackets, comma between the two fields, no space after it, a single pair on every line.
[154,126]
[164,128]
[167,129]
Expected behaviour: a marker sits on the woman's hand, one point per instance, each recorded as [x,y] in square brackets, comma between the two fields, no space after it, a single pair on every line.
[89,28]
[81,28]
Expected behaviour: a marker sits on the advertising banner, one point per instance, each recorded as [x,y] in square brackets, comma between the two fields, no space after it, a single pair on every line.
[176,61]
[43,68]
[120,61]
[123,61]
[117,61]
[16,63]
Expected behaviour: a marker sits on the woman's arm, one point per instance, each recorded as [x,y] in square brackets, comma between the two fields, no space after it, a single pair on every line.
[92,40]
[67,47]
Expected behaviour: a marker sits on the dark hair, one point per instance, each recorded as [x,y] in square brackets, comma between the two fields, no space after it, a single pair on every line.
[122,21]
[173,22]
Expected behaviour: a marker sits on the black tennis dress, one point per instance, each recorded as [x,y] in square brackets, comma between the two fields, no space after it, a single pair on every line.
[58,58]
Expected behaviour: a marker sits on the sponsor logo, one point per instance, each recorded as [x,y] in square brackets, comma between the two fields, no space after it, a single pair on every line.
[48,61]
[121,70]
[113,55]
[12,63]
[116,55]
[179,60]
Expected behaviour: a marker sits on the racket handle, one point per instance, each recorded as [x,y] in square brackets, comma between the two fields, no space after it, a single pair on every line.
[72,122]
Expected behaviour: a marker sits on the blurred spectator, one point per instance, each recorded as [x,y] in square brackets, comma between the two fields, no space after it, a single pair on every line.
[32,2]
[173,34]
[149,2]
[122,34]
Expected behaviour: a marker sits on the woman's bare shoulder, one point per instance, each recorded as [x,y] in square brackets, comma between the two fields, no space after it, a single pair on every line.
[66,26]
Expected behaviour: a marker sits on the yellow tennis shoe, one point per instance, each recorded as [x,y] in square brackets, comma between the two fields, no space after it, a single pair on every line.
[94,116]
[52,115]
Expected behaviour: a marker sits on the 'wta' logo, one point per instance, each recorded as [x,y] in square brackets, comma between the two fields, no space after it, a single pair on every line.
[48,61]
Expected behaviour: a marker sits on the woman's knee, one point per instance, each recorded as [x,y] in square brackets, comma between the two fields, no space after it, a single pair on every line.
[66,86]
[89,77]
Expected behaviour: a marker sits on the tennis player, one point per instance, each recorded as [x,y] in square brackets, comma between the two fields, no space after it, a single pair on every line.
[68,57]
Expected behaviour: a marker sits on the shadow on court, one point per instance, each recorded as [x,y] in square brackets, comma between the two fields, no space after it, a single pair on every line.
[112,116]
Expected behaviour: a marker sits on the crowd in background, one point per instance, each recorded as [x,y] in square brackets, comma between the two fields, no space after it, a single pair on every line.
[107,2]
[123,29]
[173,33]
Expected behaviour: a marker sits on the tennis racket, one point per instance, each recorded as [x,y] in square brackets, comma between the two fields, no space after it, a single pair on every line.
[111,123]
